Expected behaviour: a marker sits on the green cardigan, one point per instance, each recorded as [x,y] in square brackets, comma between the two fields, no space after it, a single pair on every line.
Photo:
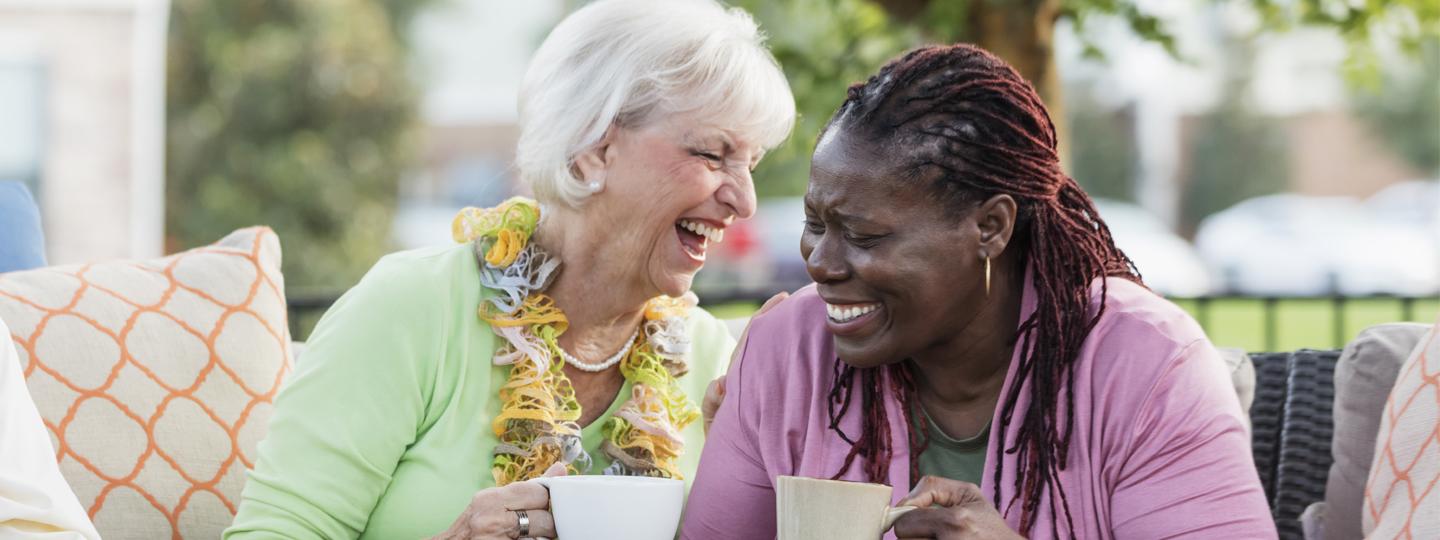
[383,430]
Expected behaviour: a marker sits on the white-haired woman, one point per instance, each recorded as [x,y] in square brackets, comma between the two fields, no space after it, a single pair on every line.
[556,336]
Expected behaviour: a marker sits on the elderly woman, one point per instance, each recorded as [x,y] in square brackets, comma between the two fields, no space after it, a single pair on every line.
[974,334]
[556,338]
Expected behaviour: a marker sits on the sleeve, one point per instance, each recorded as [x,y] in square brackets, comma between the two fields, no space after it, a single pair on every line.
[732,496]
[354,404]
[1189,472]
[35,500]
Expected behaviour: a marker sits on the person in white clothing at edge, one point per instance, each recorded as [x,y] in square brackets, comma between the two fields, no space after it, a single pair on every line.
[35,501]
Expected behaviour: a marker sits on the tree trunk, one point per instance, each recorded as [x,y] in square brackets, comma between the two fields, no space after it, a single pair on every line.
[1023,33]
[1020,31]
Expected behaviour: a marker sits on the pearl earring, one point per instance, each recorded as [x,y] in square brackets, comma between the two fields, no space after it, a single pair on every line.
[594,186]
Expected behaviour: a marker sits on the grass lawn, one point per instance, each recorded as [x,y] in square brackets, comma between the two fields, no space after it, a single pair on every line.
[1298,324]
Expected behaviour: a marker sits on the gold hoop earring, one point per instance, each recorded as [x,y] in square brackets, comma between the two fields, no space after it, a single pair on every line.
[987,276]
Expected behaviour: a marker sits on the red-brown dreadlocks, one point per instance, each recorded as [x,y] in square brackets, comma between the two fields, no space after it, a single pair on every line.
[971,127]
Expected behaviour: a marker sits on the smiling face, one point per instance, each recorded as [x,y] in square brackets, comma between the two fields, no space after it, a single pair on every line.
[899,274]
[670,188]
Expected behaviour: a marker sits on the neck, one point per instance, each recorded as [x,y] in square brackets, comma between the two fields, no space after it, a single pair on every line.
[969,370]
[596,292]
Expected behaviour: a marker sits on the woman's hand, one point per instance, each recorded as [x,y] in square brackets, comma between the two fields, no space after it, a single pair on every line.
[715,393]
[950,510]
[492,512]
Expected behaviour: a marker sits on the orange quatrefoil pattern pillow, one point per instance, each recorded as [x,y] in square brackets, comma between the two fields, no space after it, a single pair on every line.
[155,378]
[1402,498]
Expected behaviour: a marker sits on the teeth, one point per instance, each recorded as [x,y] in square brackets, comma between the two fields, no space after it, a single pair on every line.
[712,234]
[848,313]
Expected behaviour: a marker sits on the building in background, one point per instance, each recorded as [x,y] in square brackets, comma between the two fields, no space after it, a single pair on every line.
[82,87]
[469,58]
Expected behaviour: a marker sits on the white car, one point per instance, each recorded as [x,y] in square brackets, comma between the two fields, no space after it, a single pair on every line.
[1167,263]
[1295,245]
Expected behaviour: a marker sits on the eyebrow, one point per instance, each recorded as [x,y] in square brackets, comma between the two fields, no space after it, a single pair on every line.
[843,216]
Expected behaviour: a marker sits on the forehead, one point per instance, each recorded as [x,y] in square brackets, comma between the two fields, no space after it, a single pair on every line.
[693,128]
[846,166]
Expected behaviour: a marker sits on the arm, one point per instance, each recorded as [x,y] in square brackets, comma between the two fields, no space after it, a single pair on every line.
[35,501]
[347,414]
[1189,472]
[732,496]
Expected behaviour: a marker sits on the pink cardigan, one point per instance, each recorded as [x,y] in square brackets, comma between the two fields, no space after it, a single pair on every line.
[1159,450]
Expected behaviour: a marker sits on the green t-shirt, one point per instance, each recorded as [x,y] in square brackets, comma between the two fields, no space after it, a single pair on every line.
[956,459]
[384,429]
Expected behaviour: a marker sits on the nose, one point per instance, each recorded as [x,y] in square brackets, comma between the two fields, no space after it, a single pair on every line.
[738,193]
[824,261]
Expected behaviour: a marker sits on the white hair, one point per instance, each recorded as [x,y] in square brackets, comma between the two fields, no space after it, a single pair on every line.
[628,63]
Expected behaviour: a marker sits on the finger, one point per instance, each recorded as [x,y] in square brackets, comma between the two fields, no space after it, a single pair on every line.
[773,301]
[524,496]
[937,491]
[714,397]
[557,469]
[924,523]
[542,524]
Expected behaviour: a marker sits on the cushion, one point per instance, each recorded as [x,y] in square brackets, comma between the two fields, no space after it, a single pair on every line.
[22,244]
[155,378]
[1403,493]
[1363,378]
[1242,376]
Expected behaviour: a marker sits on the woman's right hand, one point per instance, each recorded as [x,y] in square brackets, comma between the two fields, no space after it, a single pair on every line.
[492,512]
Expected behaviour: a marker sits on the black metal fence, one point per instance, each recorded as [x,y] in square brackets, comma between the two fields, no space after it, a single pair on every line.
[1256,323]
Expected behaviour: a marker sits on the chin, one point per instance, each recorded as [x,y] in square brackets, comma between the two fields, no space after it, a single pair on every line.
[675,285]
[861,355]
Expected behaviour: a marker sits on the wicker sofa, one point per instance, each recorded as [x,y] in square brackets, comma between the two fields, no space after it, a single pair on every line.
[1315,419]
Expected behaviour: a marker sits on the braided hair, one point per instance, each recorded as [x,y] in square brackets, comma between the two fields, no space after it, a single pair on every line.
[968,127]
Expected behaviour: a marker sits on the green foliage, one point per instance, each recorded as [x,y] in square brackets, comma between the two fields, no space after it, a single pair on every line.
[1406,113]
[288,113]
[823,46]
[1144,25]
[1362,23]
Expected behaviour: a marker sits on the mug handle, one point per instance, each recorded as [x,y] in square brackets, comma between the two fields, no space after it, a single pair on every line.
[892,514]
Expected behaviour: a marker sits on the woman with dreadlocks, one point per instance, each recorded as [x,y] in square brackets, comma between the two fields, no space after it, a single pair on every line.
[975,338]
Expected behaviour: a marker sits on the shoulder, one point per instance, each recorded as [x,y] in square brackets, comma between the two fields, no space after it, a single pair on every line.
[1131,310]
[417,294]
[423,269]
[789,344]
[1145,344]
[418,281]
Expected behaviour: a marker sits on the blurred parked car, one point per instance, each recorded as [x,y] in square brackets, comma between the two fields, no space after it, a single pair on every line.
[1168,264]
[1293,245]
[1414,204]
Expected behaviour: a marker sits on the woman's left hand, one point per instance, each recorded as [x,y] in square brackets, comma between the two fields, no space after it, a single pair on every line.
[950,510]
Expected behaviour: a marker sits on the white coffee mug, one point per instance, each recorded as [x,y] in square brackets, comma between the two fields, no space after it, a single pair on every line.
[594,507]
[815,509]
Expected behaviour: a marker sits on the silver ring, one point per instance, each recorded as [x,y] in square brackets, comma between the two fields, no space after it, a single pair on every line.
[524,522]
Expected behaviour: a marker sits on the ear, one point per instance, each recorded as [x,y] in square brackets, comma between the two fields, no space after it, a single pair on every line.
[995,218]
[591,165]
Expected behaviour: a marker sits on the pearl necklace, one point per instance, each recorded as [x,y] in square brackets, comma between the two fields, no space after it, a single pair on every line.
[602,366]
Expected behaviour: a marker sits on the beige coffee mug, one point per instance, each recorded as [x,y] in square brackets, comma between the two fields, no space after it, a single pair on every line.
[814,509]
[615,507]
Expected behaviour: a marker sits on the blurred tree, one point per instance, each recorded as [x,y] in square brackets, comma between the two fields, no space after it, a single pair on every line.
[1105,160]
[1406,114]
[824,45]
[1233,153]
[296,114]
